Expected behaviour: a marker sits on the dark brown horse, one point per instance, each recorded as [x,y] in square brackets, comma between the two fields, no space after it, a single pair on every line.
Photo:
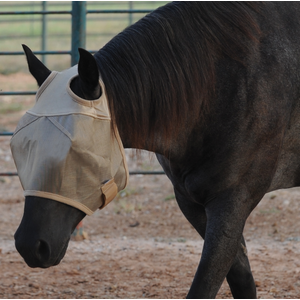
[213,89]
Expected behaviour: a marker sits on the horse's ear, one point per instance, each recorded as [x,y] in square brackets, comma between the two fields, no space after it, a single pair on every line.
[38,70]
[88,75]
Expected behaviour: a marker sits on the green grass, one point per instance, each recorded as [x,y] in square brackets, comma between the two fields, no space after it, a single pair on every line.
[3,128]
[128,191]
[126,206]
[169,197]
[6,108]
[17,29]
[272,210]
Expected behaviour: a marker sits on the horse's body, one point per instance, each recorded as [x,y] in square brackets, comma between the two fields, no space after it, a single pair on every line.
[213,89]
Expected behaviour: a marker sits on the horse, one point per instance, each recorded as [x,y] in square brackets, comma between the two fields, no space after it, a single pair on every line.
[213,89]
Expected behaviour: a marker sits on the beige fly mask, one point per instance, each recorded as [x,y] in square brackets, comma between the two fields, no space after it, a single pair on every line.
[65,149]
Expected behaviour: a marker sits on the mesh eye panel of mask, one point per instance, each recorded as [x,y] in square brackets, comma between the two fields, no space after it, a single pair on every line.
[65,149]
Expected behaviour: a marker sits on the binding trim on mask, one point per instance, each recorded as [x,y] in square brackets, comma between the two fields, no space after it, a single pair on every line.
[59,198]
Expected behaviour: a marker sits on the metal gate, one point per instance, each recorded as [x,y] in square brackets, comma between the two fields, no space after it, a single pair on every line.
[78,16]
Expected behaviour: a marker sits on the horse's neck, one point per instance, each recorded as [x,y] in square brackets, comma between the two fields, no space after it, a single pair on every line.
[175,148]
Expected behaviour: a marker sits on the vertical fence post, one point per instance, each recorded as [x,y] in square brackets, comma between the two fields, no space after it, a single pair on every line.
[78,29]
[78,40]
[130,14]
[44,31]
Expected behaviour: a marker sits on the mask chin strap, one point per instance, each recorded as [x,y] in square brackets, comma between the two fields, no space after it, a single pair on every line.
[109,192]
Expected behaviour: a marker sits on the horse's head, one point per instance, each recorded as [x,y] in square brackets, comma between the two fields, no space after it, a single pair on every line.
[69,159]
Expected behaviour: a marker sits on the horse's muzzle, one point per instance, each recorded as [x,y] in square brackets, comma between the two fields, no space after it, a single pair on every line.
[44,232]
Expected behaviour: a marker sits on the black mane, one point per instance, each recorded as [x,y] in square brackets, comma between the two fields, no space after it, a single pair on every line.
[159,72]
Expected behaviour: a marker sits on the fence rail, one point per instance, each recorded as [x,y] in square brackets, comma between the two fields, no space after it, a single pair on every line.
[36,52]
[66,12]
[6,133]
[130,173]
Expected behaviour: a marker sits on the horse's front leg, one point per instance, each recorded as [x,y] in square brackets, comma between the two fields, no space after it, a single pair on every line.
[239,277]
[222,253]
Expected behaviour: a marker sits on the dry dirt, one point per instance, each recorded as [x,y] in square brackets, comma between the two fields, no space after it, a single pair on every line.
[141,246]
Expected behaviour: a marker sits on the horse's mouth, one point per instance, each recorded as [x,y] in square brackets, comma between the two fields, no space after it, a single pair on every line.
[62,253]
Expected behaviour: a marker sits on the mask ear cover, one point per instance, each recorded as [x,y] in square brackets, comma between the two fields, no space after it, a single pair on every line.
[92,167]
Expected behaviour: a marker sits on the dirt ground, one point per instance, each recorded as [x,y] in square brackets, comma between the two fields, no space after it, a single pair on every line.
[141,246]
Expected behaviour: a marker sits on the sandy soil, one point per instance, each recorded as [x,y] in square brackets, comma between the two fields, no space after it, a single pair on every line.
[141,246]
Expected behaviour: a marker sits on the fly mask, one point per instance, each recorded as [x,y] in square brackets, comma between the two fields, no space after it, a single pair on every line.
[65,149]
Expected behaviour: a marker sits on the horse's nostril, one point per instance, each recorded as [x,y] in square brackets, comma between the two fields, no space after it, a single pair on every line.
[42,251]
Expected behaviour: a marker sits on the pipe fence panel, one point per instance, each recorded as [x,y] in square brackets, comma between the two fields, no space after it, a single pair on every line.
[74,12]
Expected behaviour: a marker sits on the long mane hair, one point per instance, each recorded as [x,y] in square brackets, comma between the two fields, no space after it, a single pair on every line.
[159,73]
